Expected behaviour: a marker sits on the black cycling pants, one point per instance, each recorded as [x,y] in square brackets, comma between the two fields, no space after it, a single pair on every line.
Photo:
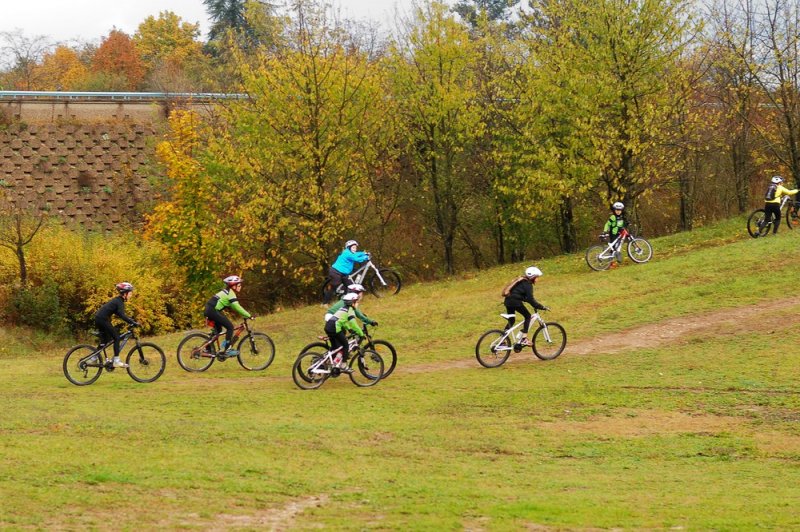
[773,210]
[108,332]
[337,339]
[337,279]
[220,320]
[518,306]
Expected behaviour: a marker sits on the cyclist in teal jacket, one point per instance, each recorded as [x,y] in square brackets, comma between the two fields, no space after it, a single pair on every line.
[344,265]
[226,298]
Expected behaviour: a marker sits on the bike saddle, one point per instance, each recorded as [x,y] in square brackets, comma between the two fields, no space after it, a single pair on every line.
[507,316]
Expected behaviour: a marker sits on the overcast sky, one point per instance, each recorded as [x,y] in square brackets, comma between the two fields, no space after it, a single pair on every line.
[89,20]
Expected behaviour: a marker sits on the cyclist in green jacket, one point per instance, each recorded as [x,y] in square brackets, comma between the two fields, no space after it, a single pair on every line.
[615,223]
[359,290]
[226,298]
[340,321]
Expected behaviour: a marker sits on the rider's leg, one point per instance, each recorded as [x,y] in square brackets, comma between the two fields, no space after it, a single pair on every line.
[110,332]
[773,212]
[221,321]
[526,314]
[337,278]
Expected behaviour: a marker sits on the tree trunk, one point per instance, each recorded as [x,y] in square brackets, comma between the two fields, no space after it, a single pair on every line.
[567,232]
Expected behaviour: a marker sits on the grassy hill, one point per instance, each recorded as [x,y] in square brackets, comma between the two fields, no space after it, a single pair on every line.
[695,430]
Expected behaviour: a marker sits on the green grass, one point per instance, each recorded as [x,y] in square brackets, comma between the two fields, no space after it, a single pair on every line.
[699,434]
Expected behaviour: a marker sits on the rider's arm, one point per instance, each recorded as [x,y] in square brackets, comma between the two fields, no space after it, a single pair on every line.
[609,224]
[238,308]
[529,299]
[363,317]
[336,306]
[359,256]
[120,312]
[786,191]
[349,322]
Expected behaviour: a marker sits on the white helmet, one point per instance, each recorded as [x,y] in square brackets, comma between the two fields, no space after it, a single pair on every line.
[355,287]
[532,272]
[618,205]
[777,179]
[232,280]
[350,243]
[350,298]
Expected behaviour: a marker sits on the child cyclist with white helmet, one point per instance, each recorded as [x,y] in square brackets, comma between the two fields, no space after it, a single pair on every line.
[519,292]
[344,265]
[226,298]
[359,291]
[340,321]
[772,201]
[615,223]
[115,307]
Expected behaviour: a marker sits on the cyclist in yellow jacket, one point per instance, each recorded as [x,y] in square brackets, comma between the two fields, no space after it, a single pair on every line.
[772,201]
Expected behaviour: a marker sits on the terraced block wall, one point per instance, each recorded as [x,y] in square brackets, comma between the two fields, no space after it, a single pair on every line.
[97,174]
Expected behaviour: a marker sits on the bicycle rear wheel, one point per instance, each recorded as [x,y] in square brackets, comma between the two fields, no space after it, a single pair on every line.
[596,260]
[756,223]
[640,250]
[493,348]
[367,368]
[391,283]
[549,342]
[310,370]
[146,362]
[192,356]
[387,353]
[256,351]
[80,367]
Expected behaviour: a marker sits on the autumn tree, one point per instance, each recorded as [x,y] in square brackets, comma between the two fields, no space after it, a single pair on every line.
[62,69]
[288,164]
[433,65]
[118,60]
[169,48]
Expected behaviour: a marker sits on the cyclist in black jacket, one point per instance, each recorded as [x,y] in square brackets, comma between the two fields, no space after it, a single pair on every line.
[115,307]
[522,292]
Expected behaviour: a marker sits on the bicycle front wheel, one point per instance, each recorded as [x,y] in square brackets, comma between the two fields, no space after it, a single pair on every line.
[256,351]
[81,367]
[756,223]
[310,370]
[390,286]
[792,216]
[387,353]
[193,353]
[549,341]
[493,348]
[596,259]
[146,362]
[367,368]
[640,250]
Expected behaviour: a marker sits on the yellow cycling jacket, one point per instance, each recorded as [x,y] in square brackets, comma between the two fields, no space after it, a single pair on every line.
[780,191]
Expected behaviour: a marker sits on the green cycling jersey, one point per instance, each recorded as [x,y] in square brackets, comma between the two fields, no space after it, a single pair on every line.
[360,315]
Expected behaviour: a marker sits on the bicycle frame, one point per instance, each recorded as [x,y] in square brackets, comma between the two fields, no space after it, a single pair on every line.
[324,366]
[614,246]
[360,274]
[511,332]
[215,336]
[101,348]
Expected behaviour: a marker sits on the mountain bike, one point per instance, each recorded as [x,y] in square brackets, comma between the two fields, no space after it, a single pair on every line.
[599,256]
[198,350]
[758,226]
[83,364]
[380,282]
[314,366]
[495,346]
[386,350]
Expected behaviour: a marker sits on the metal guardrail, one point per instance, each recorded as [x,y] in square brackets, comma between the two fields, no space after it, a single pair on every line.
[119,96]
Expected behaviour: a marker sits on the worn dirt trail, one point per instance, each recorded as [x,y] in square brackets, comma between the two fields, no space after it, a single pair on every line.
[652,335]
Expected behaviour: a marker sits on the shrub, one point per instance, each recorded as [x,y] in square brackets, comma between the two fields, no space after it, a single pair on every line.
[72,273]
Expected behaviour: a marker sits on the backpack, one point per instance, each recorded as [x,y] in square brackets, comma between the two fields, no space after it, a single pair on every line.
[770,195]
[511,285]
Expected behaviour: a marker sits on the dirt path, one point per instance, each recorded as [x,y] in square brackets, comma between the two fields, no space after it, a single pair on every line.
[653,335]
